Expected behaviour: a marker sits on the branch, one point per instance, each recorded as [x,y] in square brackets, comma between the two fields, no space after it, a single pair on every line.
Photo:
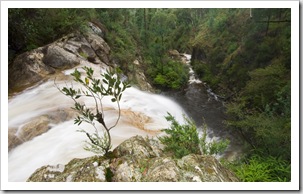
[119,111]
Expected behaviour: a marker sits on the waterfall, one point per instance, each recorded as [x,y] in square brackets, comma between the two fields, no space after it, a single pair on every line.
[142,114]
[192,76]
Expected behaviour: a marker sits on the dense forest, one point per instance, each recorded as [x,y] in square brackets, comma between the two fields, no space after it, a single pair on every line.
[244,55]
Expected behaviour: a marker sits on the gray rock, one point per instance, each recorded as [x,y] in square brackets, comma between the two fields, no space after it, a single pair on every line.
[163,169]
[100,47]
[135,160]
[92,169]
[205,169]
[27,69]
[59,58]
[136,147]
[33,66]
[126,169]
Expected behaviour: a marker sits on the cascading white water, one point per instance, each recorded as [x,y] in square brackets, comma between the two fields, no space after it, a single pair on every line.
[192,76]
[142,114]
[193,79]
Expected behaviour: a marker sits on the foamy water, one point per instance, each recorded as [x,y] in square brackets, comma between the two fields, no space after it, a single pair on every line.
[142,114]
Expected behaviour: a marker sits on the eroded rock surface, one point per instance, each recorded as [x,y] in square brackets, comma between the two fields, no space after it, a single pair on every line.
[67,52]
[136,160]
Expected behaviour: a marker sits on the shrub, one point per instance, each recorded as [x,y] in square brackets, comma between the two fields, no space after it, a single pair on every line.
[264,169]
[172,75]
[97,89]
[182,140]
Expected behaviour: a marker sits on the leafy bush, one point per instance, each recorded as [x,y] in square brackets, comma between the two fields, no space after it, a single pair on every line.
[182,140]
[172,75]
[109,86]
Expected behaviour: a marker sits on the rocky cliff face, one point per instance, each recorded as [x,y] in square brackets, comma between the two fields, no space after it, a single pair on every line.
[135,160]
[67,52]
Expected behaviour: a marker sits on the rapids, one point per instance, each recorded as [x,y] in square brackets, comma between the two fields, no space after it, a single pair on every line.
[142,113]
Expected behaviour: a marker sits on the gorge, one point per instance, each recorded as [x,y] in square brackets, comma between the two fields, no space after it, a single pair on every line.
[41,129]
[229,70]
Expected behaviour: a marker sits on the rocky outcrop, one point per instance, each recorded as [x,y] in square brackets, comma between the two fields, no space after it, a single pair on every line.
[37,126]
[28,68]
[59,58]
[33,66]
[99,46]
[174,54]
[137,75]
[137,159]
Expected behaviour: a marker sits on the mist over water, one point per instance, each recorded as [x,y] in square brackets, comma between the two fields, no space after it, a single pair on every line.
[142,114]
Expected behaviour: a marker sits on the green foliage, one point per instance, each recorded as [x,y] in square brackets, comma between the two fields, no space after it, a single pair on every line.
[203,70]
[263,169]
[108,175]
[30,28]
[121,37]
[109,86]
[84,55]
[262,114]
[213,147]
[182,140]
[173,75]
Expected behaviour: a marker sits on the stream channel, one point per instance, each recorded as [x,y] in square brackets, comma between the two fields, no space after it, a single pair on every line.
[43,107]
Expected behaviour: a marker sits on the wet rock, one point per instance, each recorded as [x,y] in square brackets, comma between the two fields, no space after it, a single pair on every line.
[37,126]
[33,128]
[13,140]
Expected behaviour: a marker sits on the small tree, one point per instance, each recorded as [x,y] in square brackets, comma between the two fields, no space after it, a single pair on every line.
[110,86]
[182,140]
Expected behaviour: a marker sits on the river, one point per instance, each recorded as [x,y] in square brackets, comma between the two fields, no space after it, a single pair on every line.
[205,107]
[142,114]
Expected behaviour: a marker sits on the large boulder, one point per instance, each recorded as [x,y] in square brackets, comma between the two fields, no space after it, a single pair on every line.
[67,52]
[28,68]
[137,159]
[59,58]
